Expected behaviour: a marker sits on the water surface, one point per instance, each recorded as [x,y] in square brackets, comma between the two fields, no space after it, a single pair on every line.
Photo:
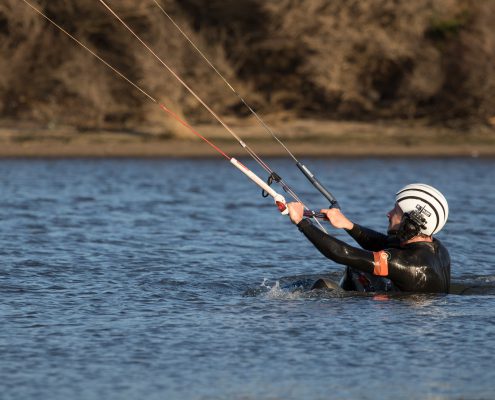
[163,279]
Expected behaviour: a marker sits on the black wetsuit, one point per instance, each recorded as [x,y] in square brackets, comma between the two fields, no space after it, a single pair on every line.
[383,264]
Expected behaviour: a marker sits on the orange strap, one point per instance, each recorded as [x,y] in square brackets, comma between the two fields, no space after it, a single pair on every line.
[381,263]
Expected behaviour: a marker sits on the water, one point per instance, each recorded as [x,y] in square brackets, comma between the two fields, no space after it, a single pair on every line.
[162,279]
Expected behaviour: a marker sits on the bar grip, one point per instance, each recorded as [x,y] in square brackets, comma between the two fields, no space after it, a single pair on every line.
[314,214]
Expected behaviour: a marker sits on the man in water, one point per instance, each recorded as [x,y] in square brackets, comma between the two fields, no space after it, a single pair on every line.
[408,259]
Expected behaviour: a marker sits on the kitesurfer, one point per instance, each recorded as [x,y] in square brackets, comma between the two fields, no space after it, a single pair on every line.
[407,259]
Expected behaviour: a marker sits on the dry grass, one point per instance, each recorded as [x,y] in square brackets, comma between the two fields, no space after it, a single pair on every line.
[428,60]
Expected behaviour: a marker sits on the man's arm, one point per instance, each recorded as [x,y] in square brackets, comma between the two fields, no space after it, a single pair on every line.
[369,239]
[337,250]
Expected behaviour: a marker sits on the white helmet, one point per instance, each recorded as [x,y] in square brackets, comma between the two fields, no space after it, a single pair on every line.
[426,200]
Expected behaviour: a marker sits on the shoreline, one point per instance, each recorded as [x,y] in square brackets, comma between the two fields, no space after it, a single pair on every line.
[184,149]
[304,138]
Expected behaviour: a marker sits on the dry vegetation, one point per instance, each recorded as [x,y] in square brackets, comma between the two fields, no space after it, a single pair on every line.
[424,60]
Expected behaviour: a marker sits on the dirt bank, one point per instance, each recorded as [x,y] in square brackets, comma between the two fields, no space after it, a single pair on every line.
[303,137]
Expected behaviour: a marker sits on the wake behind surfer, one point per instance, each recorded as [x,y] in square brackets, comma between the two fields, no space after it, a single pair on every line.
[407,259]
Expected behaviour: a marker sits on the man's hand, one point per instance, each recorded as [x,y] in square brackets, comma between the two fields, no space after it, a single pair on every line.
[337,219]
[296,211]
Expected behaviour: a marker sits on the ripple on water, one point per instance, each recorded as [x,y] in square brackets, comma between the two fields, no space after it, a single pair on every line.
[144,279]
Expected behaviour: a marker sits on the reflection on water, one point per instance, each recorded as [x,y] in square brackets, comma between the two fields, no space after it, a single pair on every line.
[124,279]
[293,287]
[473,285]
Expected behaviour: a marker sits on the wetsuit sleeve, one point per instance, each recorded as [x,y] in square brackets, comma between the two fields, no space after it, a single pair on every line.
[337,250]
[368,239]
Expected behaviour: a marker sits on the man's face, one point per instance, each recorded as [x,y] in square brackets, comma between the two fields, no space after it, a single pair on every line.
[394,218]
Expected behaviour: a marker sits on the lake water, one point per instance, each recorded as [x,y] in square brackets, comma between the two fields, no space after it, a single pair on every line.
[164,279]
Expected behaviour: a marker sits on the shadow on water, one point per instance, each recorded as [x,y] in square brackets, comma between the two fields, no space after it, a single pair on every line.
[473,285]
[302,286]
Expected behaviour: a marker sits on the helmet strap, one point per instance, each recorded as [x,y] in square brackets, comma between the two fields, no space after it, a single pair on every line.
[411,225]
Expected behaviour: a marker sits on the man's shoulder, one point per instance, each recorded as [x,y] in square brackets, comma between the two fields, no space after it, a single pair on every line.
[441,249]
[439,245]
[421,247]
[429,250]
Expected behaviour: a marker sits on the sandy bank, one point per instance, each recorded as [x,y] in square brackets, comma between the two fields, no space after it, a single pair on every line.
[303,138]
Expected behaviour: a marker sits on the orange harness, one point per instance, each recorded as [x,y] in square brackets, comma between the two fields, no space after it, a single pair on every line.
[381,263]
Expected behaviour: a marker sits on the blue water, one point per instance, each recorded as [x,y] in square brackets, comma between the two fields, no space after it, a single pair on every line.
[164,279]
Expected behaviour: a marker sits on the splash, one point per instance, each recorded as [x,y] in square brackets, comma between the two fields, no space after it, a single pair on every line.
[278,292]
[290,289]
